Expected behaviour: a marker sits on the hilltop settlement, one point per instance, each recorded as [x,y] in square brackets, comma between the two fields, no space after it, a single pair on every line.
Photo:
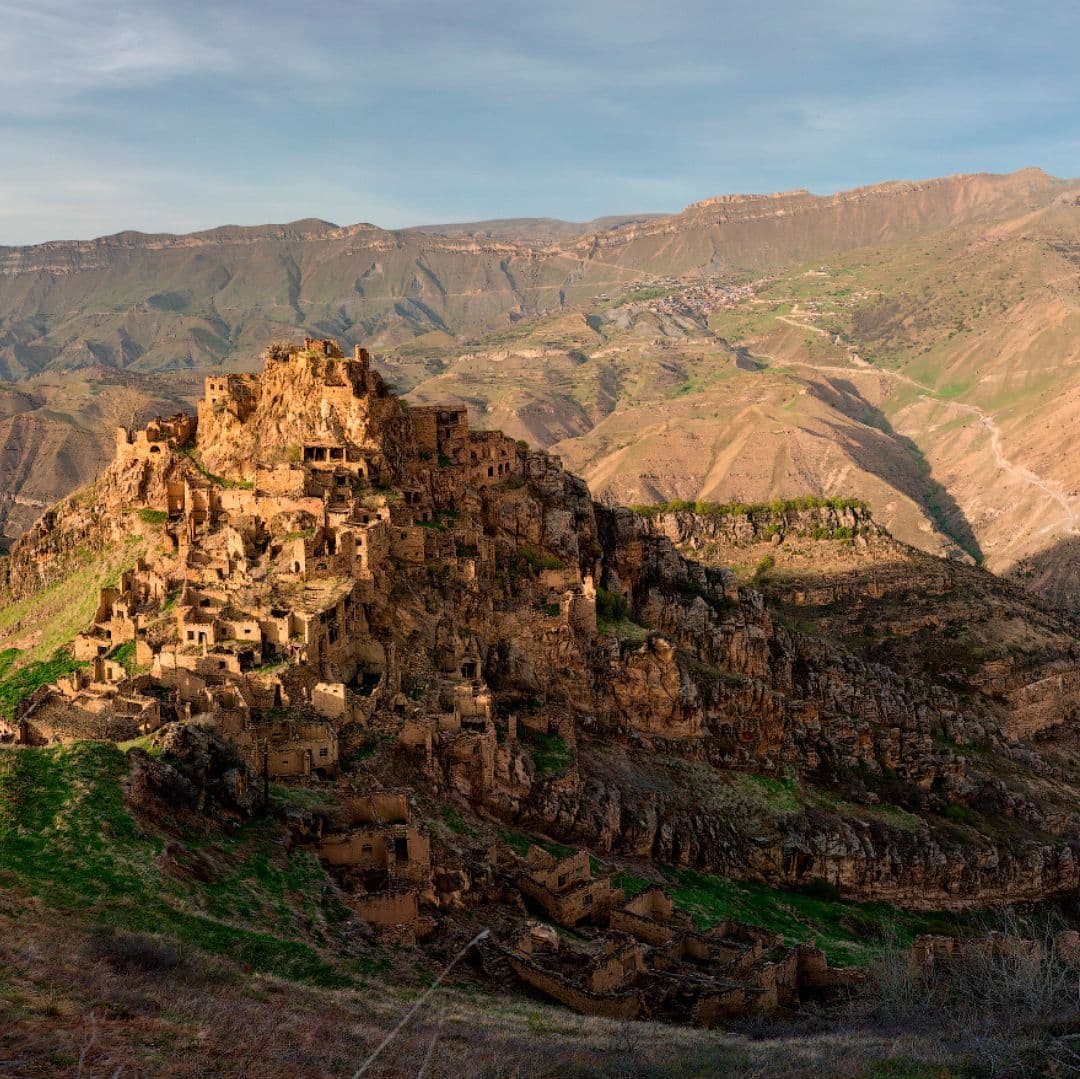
[325,569]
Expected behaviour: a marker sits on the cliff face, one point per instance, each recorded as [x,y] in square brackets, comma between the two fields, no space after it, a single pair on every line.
[564,665]
[726,688]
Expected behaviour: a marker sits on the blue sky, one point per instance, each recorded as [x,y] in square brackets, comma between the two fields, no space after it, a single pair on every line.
[178,116]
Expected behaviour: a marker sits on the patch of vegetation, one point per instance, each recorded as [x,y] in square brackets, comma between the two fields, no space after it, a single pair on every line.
[124,654]
[153,517]
[630,884]
[550,753]
[520,843]
[780,793]
[741,509]
[626,631]
[849,933]
[55,614]
[67,838]
[213,477]
[610,606]
[764,564]
[613,618]
[652,292]
[537,560]
[455,821]
[366,751]
[17,686]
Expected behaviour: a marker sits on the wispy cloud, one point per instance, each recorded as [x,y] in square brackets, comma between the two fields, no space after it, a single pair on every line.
[172,115]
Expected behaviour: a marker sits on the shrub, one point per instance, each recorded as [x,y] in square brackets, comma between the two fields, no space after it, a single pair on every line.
[537,560]
[738,509]
[135,951]
[610,606]
[153,517]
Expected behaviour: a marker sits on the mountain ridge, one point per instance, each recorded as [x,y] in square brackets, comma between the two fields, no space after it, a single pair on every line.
[747,347]
[316,227]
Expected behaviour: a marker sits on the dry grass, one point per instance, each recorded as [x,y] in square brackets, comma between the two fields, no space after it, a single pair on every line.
[78,1003]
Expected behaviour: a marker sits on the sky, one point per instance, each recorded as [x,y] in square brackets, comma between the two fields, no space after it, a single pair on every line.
[171,117]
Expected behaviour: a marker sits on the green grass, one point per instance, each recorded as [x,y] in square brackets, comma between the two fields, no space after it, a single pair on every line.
[550,753]
[778,793]
[55,614]
[848,933]
[613,618]
[67,837]
[17,686]
[124,654]
[455,821]
[520,843]
[153,517]
[630,884]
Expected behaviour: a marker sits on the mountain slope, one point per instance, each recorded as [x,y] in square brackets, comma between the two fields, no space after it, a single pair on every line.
[911,344]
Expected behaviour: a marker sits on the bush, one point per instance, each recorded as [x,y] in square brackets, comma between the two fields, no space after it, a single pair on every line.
[153,517]
[1010,1001]
[610,606]
[135,951]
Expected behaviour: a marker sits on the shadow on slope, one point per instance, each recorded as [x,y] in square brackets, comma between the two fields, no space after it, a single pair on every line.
[910,472]
[1053,574]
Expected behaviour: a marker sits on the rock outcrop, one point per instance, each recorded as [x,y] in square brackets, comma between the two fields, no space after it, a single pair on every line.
[337,570]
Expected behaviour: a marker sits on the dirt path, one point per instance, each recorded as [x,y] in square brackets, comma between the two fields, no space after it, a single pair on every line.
[1018,472]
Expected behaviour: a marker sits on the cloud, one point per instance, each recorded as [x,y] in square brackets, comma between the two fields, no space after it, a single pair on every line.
[175,115]
[66,48]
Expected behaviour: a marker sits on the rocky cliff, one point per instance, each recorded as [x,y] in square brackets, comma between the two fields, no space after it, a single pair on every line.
[565,666]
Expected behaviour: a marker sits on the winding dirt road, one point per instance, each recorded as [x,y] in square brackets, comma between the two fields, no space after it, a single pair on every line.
[1018,472]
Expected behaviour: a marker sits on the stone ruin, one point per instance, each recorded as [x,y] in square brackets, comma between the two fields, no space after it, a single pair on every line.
[305,517]
[644,959]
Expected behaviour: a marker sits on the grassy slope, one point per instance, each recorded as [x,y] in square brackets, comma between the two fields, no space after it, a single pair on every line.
[49,619]
[36,632]
[67,838]
[245,961]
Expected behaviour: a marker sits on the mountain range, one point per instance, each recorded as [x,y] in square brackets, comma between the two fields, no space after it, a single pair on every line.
[910,344]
